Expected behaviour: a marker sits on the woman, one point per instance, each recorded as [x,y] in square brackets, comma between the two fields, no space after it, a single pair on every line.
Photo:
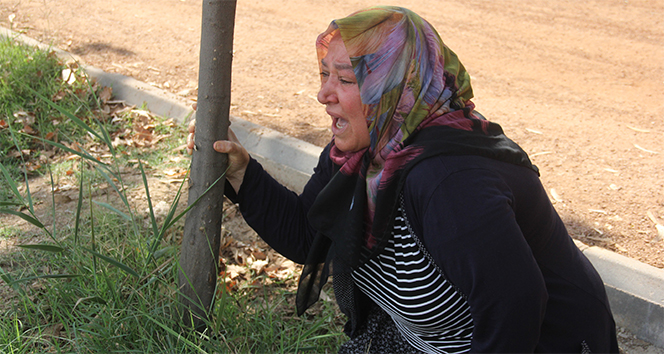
[435,226]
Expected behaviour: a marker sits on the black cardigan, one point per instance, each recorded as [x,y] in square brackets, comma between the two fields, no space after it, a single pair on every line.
[491,228]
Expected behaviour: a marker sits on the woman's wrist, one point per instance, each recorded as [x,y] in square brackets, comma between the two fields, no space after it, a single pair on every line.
[236,180]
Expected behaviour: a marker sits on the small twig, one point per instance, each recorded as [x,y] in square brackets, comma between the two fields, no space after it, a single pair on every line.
[555,196]
[598,239]
[660,232]
[658,226]
[646,150]
[652,217]
[639,130]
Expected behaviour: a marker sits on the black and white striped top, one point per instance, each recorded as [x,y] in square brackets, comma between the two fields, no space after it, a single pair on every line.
[405,282]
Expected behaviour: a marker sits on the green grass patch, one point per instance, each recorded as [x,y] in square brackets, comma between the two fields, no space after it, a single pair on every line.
[26,120]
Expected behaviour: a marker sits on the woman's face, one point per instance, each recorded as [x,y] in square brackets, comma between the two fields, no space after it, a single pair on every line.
[340,94]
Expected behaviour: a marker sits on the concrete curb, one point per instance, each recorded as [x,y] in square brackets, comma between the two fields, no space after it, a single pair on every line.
[635,289]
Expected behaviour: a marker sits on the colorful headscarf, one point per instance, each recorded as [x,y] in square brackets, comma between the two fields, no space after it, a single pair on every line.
[405,72]
[408,79]
[417,97]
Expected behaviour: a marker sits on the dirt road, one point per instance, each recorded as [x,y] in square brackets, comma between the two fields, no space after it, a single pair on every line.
[580,85]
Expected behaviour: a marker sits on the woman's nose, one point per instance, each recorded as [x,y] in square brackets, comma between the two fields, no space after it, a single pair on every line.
[327,94]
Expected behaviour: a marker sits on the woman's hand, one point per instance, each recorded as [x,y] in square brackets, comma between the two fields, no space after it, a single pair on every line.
[238,157]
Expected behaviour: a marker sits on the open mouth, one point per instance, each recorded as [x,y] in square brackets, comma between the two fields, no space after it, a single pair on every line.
[338,124]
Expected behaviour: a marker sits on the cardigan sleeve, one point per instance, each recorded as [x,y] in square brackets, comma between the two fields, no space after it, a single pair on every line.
[277,214]
[466,221]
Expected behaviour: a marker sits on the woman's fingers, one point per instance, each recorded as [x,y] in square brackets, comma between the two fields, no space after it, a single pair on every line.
[237,154]
[191,144]
[192,126]
[238,157]
[192,129]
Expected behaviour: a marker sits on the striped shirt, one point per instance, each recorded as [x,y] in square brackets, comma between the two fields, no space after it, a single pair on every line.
[405,282]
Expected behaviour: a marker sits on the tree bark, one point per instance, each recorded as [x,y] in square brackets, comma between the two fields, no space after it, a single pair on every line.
[202,231]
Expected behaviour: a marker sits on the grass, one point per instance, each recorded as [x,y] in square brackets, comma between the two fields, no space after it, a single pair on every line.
[98,278]
[27,120]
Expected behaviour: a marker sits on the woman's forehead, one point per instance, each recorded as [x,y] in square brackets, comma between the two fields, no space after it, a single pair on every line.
[336,55]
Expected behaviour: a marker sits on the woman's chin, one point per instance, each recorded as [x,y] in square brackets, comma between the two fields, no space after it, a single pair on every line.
[342,145]
[346,146]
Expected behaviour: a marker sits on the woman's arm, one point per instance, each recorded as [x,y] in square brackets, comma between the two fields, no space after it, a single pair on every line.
[278,214]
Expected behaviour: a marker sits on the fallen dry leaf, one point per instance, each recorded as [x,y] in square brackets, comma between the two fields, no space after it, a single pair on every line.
[58,96]
[170,122]
[239,256]
[175,173]
[28,130]
[259,255]
[31,166]
[53,136]
[75,146]
[258,266]
[142,133]
[234,271]
[106,94]
[24,117]
[106,109]
[68,76]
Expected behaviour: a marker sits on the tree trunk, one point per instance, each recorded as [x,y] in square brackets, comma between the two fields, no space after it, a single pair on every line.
[202,230]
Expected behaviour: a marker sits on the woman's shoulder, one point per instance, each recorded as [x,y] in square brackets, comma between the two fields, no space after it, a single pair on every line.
[439,168]
[460,176]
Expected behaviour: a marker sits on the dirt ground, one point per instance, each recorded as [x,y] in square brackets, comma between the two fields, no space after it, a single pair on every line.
[579,85]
